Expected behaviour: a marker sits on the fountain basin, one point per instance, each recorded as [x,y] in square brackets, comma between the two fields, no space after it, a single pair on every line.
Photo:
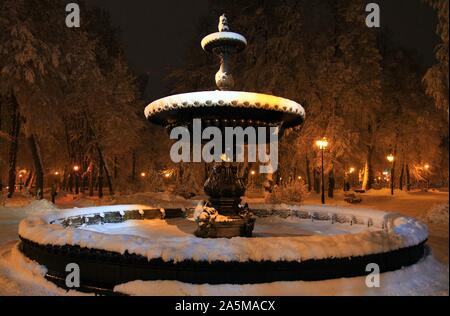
[318,243]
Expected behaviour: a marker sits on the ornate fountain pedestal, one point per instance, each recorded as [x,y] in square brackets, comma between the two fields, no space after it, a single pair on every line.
[225,189]
[223,216]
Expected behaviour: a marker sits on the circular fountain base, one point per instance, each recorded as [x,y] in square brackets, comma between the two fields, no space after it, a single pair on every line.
[114,246]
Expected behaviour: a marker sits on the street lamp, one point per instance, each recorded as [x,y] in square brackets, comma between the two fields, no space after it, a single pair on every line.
[322,144]
[427,168]
[76,168]
[391,159]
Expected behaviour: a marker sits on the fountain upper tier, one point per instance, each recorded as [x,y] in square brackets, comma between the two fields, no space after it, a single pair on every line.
[225,107]
[232,106]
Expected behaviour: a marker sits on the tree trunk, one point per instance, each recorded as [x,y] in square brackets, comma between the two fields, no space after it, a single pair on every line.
[402,175]
[91,179]
[28,179]
[100,179]
[64,181]
[394,163]
[1,173]
[316,181]
[105,167]
[115,168]
[133,167]
[308,173]
[32,179]
[368,170]
[408,178]
[34,147]
[331,183]
[14,146]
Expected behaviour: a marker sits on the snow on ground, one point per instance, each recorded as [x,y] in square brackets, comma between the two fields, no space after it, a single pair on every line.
[438,214]
[428,277]
[21,276]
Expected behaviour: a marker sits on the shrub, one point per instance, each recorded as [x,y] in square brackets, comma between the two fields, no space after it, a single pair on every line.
[293,192]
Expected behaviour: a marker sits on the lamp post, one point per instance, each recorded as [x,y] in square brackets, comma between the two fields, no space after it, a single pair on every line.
[427,169]
[252,179]
[322,144]
[391,159]
[76,168]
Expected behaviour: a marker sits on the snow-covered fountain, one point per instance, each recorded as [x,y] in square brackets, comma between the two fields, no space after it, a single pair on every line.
[118,244]
[226,108]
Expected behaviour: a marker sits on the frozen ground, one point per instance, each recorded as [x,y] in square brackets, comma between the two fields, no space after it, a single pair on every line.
[18,276]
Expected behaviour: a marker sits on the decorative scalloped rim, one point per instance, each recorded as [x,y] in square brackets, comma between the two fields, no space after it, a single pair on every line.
[231,36]
[224,98]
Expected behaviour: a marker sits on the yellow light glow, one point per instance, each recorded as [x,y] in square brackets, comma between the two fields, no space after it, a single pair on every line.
[253,172]
[56,173]
[143,174]
[390,158]
[427,166]
[225,158]
[76,168]
[352,170]
[299,177]
[167,175]
[322,144]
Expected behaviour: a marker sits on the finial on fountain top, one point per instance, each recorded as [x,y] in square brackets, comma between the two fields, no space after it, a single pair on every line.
[223,24]
[224,44]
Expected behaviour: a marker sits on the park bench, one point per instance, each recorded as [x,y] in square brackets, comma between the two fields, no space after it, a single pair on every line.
[352,199]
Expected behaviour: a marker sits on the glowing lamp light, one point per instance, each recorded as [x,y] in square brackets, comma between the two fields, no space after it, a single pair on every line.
[427,166]
[299,177]
[253,172]
[352,170]
[56,173]
[390,158]
[322,144]
[76,168]
[143,174]
[20,175]
[385,173]
[225,158]
[167,175]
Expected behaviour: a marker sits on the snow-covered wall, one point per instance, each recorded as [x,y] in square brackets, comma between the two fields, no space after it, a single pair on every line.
[395,232]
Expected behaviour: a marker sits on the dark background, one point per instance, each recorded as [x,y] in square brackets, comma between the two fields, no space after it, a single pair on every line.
[156,33]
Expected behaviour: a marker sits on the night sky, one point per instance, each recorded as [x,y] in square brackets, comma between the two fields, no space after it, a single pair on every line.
[156,33]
